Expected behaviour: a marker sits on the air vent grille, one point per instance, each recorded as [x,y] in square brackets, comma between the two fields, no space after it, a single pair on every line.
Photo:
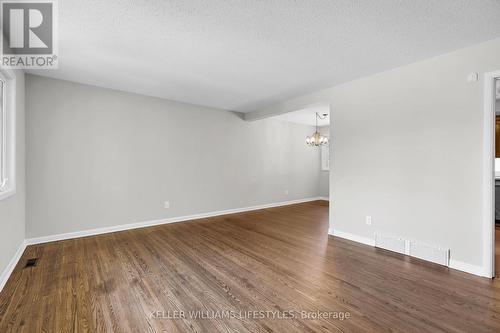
[31,262]
[428,252]
[389,242]
[433,253]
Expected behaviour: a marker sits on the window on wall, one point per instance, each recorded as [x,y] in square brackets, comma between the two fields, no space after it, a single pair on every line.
[7,135]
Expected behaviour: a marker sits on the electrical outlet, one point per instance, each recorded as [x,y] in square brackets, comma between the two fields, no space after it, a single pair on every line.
[286,192]
[368,220]
[166,204]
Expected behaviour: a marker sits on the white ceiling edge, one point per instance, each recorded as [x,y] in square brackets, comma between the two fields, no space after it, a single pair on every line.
[304,100]
[307,116]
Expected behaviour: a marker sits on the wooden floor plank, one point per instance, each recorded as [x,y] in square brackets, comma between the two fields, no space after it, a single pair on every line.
[279,260]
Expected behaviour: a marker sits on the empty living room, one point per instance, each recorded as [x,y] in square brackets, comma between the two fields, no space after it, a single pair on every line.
[250,166]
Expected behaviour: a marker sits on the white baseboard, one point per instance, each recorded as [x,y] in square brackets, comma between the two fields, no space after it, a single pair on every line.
[122,227]
[11,265]
[324,198]
[455,264]
[468,268]
[352,237]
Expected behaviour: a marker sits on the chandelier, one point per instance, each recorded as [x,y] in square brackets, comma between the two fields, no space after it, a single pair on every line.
[317,139]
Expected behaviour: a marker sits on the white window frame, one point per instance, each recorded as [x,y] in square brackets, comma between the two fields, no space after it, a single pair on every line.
[325,157]
[8,132]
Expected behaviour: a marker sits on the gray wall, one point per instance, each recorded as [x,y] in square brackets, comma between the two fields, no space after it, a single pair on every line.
[98,157]
[324,176]
[407,147]
[12,212]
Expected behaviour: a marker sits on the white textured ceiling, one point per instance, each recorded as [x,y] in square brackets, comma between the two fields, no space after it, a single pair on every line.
[307,116]
[244,55]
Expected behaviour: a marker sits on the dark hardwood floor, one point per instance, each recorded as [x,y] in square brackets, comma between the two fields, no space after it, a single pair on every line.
[278,260]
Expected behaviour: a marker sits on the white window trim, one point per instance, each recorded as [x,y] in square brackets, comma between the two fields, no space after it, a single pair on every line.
[9,109]
[325,158]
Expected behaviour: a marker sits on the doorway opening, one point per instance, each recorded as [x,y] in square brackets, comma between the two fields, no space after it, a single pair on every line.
[315,121]
[491,175]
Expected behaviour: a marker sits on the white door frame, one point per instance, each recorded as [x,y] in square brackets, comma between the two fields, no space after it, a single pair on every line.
[489,174]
